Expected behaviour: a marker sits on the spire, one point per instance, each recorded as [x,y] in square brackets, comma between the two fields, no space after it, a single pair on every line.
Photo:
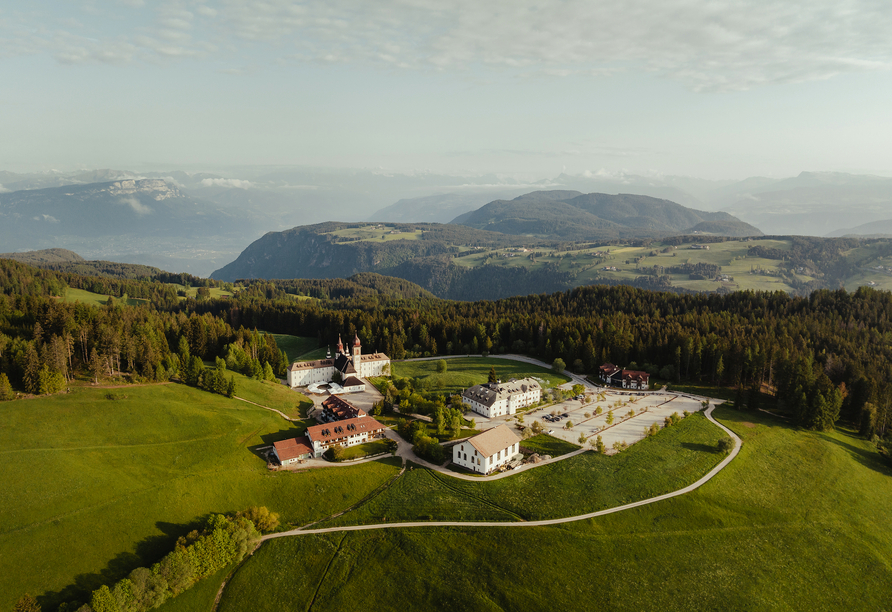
[356,341]
[340,345]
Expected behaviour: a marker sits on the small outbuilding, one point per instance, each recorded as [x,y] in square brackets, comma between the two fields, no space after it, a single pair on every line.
[487,451]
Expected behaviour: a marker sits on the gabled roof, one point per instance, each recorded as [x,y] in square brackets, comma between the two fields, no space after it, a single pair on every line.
[352,381]
[293,448]
[309,365]
[331,432]
[494,440]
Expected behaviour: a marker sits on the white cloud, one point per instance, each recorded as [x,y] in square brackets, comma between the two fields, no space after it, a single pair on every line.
[225,182]
[47,218]
[4,189]
[138,207]
[706,44]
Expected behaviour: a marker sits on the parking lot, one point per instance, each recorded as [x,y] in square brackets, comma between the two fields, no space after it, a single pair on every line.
[658,407]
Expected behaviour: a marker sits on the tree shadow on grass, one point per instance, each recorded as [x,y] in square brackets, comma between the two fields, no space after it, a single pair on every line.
[866,457]
[147,552]
[700,447]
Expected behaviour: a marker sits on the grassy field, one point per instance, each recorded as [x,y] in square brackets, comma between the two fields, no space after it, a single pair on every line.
[376,233]
[296,347]
[799,521]
[585,483]
[364,450]
[464,372]
[588,267]
[97,299]
[272,394]
[92,487]
[549,445]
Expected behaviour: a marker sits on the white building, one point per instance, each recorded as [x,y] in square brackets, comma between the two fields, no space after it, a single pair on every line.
[499,399]
[303,373]
[488,451]
[348,432]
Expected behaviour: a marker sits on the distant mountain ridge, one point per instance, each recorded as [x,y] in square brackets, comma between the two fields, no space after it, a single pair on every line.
[571,215]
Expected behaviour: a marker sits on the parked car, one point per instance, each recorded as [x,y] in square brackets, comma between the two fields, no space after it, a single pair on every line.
[550,431]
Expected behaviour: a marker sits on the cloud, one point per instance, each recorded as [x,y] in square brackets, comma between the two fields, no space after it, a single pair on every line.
[4,189]
[225,182]
[47,218]
[138,207]
[709,45]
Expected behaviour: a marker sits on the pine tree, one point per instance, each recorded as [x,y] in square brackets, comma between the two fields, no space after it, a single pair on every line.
[6,392]
[492,374]
[230,388]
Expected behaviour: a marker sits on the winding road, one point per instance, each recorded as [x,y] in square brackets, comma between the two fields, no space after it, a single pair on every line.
[542,523]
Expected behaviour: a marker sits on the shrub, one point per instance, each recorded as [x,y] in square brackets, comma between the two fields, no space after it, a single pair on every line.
[725,444]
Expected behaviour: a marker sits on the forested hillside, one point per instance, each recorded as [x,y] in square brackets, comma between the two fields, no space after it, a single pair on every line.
[570,215]
[825,356]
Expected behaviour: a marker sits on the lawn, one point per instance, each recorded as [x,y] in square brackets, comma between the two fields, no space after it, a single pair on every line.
[799,521]
[364,450]
[548,445]
[464,372]
[297,347]
[92,487]
[674,458]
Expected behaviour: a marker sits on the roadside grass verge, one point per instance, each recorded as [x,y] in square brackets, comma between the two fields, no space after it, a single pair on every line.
[798,521]
[464,372]
[549,445]
[92,487]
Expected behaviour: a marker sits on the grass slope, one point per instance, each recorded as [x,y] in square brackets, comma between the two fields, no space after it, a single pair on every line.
[545,444]
[296,346]
[585,483]
[272,394]
[799,521]
[92,488]
[464,372]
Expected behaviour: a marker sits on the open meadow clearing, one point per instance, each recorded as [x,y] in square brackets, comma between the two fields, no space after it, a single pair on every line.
[798,521]
[93,487]
[464,372]
[298,347]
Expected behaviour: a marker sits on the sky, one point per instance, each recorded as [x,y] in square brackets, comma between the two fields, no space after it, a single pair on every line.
[711,89]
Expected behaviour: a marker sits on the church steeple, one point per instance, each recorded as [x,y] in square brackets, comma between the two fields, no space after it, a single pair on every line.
[357,351]
[340,345]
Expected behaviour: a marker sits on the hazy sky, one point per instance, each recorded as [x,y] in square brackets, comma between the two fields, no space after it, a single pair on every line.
[715,89]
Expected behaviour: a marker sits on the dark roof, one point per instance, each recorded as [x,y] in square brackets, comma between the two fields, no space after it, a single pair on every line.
[352,381]
[339,430]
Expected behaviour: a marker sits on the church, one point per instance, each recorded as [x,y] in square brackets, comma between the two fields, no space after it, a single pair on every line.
[353,363]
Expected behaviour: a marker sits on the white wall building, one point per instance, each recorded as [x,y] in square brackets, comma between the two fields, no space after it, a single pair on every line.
[488,451]
[499,399]
[349,432]
[303,373]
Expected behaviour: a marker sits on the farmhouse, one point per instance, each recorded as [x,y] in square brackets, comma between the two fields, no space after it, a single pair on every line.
[627,379]
[498,399]
[348,432]
[488,451]
[292,451]
[351,366]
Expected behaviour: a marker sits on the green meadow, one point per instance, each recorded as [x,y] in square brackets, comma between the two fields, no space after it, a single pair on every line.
[93,487]
[297,347]
[272,394]
[97,299]
[549,445]
[674,458]
[799,521]
[464,372]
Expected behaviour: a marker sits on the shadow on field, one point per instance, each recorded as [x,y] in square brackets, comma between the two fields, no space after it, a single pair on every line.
[700,448]
[867,458]
[148,552]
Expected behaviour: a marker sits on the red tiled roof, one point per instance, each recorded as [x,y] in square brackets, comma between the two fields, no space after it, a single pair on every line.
[293,448]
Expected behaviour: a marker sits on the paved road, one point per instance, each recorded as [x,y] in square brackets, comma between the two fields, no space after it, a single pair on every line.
[543,523]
